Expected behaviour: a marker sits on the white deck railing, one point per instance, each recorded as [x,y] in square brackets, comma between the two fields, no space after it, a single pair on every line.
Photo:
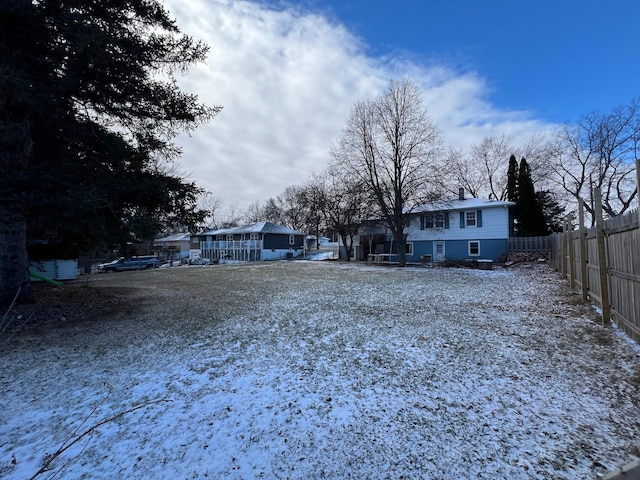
[245,245]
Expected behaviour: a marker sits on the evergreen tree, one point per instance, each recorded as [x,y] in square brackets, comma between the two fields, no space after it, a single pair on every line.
[530,217]
[552,210]
[512,180]
[89,107]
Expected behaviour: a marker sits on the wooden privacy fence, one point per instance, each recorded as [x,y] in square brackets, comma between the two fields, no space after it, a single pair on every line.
[603,262]
[529,245]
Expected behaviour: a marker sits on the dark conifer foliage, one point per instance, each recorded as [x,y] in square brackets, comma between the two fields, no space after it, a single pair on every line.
[552,210]
[512,180]
[529,214]
[89,108]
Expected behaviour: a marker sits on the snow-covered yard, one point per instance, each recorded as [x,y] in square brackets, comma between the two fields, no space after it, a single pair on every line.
[324,370]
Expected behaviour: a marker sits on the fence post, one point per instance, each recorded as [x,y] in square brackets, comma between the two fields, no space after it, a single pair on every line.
[602,259]
[572,255]
[563,250]
[583,251]
[638,187]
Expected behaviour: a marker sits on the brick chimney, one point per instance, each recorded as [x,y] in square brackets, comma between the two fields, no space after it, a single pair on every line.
[461,193]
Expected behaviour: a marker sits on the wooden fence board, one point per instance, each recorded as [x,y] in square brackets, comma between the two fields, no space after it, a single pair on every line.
[529,245]
[622,267]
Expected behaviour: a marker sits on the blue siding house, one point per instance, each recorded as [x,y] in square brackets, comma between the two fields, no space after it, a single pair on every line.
[249,243]
[457,229]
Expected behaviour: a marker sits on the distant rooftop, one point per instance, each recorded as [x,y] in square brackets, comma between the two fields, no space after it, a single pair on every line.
[174,238]
[257,227]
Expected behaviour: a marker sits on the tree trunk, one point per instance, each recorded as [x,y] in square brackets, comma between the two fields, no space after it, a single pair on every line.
[347,245]
[399,238]
[14,261]
[15,142]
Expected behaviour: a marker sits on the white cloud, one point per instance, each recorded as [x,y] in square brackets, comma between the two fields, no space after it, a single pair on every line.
[287,80]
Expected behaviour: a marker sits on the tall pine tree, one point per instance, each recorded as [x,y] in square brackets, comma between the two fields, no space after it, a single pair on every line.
[530,217]
[512,192]
[89,108]
[512,180]
[553,211]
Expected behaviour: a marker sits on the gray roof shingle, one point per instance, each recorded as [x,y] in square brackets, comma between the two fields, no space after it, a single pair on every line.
[257,227]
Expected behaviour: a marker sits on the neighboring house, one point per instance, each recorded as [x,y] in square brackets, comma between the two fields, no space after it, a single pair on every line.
[331,241]
[322,241]
[173,247]
[254,242]
[456,229]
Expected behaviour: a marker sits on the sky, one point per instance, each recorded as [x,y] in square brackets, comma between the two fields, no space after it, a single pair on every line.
[287,75]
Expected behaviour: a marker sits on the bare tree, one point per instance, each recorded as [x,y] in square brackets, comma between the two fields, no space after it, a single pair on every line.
[219,216]
[392,145]
[345,203]
[254,213]
[492,156]
[462,172]
[482,172]
[538,150]
[273,211]
[600,151]
[288,208]
[314,206]
[212,205]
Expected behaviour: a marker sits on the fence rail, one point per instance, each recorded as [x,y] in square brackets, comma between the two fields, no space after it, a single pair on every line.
[604,263]
[529,245]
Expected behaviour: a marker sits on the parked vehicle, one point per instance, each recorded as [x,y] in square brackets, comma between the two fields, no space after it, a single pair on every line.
[101,266]
[130,263]
[201,261]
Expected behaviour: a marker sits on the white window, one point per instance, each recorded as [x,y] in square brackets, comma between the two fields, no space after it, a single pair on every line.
[408,249]
[474,248]
[292,239]
[470,218]
[229,238]
[435,220]
[254,236]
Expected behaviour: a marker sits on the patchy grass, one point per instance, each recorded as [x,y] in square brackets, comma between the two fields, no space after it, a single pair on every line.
[319,370]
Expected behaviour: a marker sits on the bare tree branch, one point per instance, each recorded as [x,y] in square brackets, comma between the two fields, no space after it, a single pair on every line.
[46,466]
[600,151]
[392,146]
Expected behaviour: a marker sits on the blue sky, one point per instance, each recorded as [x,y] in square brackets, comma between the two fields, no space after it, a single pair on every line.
[559,59]
[289,72]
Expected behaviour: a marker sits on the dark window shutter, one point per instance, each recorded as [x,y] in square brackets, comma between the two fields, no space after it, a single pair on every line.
[462,220]
[479,218]
[421,222]
[446,220]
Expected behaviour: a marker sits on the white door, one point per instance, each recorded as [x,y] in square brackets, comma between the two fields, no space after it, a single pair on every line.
[438,251]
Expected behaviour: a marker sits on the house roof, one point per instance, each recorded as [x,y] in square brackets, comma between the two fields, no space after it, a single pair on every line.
[457,204]
[174,238]
[257,227]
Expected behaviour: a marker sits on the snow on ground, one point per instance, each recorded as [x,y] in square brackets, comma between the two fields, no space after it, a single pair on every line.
[323,254]
[326,370]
